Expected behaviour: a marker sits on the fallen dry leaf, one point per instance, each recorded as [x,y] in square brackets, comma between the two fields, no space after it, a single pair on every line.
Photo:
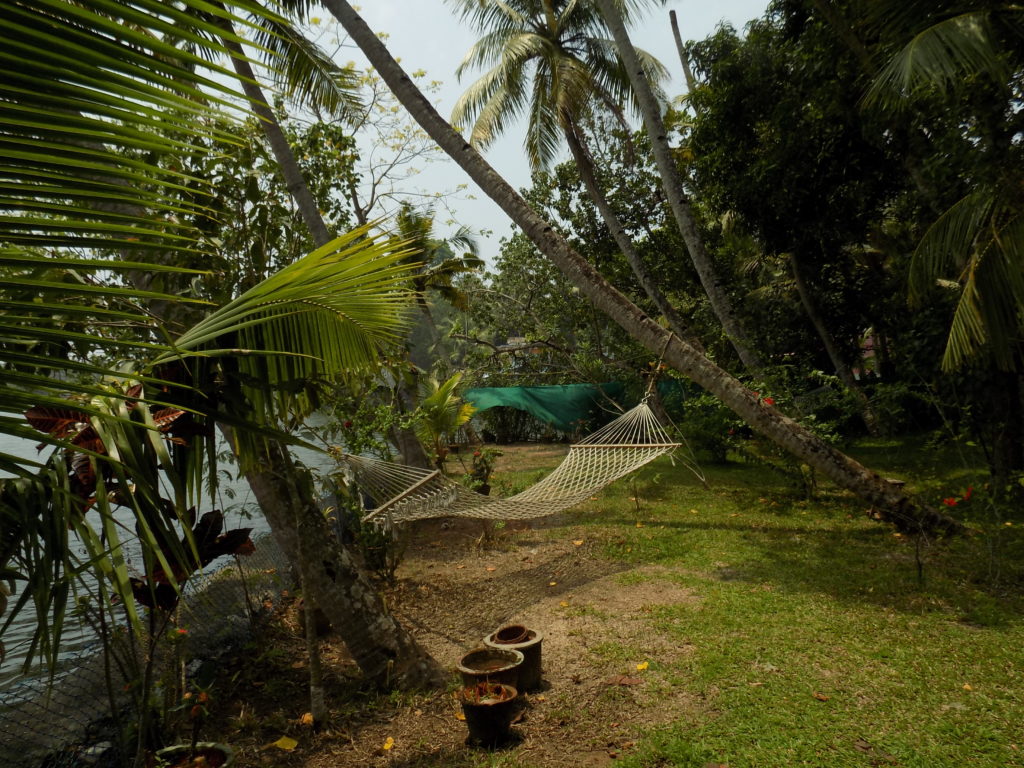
[552,583]
[622,680]
[564,604]
[967,687]
[577,542]
[459,716]
[642,666]
[490,569]
[287,743]
[306,719]
[820,696]
[388,743]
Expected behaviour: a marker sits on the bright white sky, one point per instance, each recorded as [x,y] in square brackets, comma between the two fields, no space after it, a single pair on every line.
[424,34]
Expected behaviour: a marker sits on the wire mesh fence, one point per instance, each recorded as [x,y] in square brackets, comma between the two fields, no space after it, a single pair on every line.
[69,717]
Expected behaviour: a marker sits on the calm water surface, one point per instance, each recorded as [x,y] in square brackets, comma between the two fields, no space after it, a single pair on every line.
[235,500]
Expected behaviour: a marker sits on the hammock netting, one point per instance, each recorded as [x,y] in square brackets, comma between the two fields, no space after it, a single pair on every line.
[409,493]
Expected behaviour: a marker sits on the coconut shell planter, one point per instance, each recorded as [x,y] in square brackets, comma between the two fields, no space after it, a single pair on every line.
[516,637]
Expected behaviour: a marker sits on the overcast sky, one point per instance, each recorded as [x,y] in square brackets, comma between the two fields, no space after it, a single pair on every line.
[424,34]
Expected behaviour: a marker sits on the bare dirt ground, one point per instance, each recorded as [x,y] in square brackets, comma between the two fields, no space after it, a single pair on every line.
[599,624]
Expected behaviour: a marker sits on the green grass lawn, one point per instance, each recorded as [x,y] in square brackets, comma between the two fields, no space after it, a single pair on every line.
[820,637]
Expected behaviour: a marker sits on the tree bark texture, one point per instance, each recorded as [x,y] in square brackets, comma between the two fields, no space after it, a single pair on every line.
[684,54]
[721,304]
[384,650]
[766,419]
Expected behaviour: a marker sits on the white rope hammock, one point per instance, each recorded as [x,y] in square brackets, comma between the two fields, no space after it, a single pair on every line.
[624,445]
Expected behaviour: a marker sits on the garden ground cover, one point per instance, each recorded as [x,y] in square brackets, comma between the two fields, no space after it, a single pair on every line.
[736,625]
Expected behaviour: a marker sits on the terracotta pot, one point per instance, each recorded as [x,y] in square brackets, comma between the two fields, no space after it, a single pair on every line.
[212,755]
[530,647]
[495,665]
[489,709]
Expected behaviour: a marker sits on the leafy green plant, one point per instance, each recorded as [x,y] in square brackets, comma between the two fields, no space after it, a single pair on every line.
[482,466]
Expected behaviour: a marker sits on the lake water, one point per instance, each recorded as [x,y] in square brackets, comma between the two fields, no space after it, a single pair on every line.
[235,500]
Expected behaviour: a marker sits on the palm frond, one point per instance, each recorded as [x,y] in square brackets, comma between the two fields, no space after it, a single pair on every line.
[948,243]
[333,311]
[306,74]
[937,57]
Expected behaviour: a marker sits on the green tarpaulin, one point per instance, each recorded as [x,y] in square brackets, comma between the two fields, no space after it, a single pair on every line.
[563,406]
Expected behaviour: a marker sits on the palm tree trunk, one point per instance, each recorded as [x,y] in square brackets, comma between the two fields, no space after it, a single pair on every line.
[585,166]
[843,370]
[766,419]
[293,178]
[384,650]
[684,55]
[673,185]
[712,282]
[340,594]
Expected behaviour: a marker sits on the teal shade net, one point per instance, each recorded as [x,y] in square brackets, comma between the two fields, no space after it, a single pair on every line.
[563,406]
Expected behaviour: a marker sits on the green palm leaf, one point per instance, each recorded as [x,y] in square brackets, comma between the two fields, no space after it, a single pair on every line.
[937,57]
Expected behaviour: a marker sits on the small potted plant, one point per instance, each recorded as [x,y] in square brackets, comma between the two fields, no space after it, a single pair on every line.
[196,754]
[489,709]
[479,476]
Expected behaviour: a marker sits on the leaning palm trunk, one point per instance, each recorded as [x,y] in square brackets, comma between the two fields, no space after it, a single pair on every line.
[766,419]
[384,650]
[721,304]
[585,166]
[286,162]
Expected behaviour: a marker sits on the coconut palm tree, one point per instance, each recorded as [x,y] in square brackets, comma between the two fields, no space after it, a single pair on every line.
[89,95]
[979,241]
[763,417]
[671,180]
[551,60]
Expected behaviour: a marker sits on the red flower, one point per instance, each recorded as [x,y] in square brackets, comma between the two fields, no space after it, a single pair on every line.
[347,425]
[181,631]
[732,431]
[950,502]
[769,401]
[757,394]
[968,492]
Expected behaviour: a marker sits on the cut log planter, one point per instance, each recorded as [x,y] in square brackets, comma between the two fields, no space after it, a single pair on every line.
[489,709]
[491,665]
[516,637]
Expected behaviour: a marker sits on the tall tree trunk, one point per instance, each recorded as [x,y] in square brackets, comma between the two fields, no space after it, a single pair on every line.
[721,304]
[766,419]
[293,178]
[843,370]
[336,585]
[684,54]
[384,650]
[585,166]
